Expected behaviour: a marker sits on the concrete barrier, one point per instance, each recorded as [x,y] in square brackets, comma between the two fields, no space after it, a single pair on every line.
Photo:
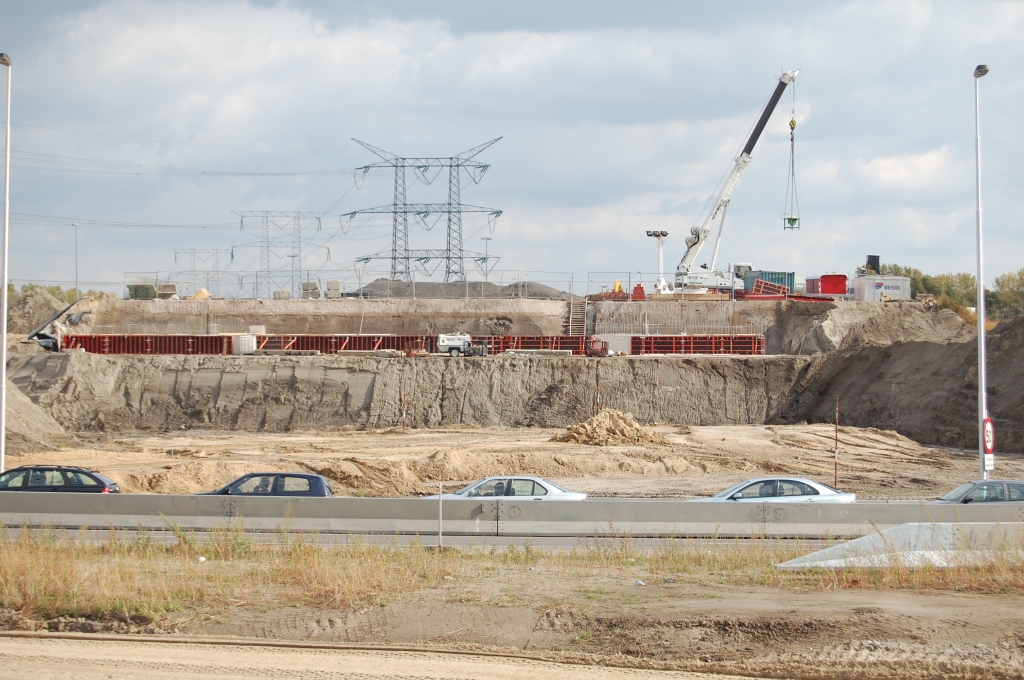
[912,545]
[501,517]
[166,511]
[666,518]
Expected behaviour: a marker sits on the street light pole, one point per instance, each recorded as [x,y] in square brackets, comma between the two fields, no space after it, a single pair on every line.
[980,71]
[75,225]
[6,61]
[487,257]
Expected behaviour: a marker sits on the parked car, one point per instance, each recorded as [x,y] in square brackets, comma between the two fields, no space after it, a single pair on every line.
[782,490]
[276,484]
[57,478]
[987,491]
[523,488]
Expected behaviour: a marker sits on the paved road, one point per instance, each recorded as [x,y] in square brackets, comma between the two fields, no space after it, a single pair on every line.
[42,658]
[485,542]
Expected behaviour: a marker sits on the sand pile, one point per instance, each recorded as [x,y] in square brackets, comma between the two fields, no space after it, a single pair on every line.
[352,476]
[190,477]
[610,428]
[29,427]
[30,309]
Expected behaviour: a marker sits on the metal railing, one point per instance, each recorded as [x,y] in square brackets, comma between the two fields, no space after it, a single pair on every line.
[365,283]
[642,328]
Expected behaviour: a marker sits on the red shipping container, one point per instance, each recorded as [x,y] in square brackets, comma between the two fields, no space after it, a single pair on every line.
[834,284]
[812,286]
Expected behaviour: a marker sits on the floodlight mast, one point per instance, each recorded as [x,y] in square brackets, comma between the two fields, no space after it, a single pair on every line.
[662,285]
[699,233]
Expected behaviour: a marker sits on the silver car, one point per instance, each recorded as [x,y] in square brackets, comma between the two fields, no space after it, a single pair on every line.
[520,486]
[782,490]
[988,491]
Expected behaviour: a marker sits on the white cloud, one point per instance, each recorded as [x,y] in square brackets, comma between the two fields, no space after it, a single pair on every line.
[930,170]
[609,130]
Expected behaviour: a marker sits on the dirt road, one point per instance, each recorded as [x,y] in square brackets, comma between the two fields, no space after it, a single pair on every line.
[695,461]
[42,659]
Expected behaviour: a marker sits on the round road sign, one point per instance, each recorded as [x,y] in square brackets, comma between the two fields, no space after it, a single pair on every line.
[990,436]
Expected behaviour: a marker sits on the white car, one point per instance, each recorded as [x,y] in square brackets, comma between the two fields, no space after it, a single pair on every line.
[519,486]
[782,490]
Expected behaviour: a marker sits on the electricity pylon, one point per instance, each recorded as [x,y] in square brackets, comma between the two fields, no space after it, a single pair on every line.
[427,170]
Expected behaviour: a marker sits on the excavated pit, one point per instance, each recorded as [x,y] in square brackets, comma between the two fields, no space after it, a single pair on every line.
[88,392]
[898,366]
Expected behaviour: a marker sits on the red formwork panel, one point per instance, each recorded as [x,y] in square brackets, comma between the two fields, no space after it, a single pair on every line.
[325,344]
[332,344]
[697,344]
[149,344]
[796,298]
[762,287]
[574,343]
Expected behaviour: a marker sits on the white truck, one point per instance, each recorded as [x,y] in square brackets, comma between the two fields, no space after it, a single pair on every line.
[461,344]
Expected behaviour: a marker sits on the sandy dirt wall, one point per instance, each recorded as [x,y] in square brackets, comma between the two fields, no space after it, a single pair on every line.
[117,393]
[789,327]
[394,316]
[925,390]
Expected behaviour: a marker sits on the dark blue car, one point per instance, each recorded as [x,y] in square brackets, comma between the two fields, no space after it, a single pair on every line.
[66,478]
[276,484]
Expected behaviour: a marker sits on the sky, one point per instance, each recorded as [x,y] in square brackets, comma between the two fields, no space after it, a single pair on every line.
[132,117]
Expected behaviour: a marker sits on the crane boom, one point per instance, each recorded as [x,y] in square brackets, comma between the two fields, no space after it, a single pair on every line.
[699,233]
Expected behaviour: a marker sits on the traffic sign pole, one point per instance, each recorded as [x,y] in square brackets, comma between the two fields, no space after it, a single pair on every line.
[989,434]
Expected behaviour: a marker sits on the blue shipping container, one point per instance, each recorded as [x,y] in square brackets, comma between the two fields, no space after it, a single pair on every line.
[787,279]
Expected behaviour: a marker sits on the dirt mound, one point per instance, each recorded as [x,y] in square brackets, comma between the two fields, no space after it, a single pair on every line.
[29,427]
[353,476]
[610,428]
[924,390]
[15,620]
[190,477]
[389,477]
[30,309]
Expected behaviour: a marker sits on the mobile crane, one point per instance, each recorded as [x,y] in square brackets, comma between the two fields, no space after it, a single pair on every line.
[700,281]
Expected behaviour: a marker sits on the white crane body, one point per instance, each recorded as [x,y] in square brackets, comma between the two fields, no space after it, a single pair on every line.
[700,281]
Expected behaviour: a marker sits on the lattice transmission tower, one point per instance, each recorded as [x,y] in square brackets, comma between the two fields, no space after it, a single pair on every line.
[427,170]
[203,270]
[280,249]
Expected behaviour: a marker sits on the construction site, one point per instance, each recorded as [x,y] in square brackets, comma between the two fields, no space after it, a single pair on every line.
[393,388]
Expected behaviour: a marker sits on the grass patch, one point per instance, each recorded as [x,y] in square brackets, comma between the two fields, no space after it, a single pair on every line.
[141,580]
[46,575]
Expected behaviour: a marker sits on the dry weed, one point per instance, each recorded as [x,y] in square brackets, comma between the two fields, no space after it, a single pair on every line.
[49,575]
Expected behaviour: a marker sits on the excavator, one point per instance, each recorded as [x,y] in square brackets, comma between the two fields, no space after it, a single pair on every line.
[700,281]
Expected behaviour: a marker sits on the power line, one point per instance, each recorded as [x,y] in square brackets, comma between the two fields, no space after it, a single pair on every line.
[55,163]
[164,139]
[55,221]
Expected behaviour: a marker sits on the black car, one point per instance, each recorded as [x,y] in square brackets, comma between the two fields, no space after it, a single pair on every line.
[276,484]
[988,491]
[57,478]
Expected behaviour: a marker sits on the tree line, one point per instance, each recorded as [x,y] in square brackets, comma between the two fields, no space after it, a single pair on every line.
[67,296]
[959,290]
